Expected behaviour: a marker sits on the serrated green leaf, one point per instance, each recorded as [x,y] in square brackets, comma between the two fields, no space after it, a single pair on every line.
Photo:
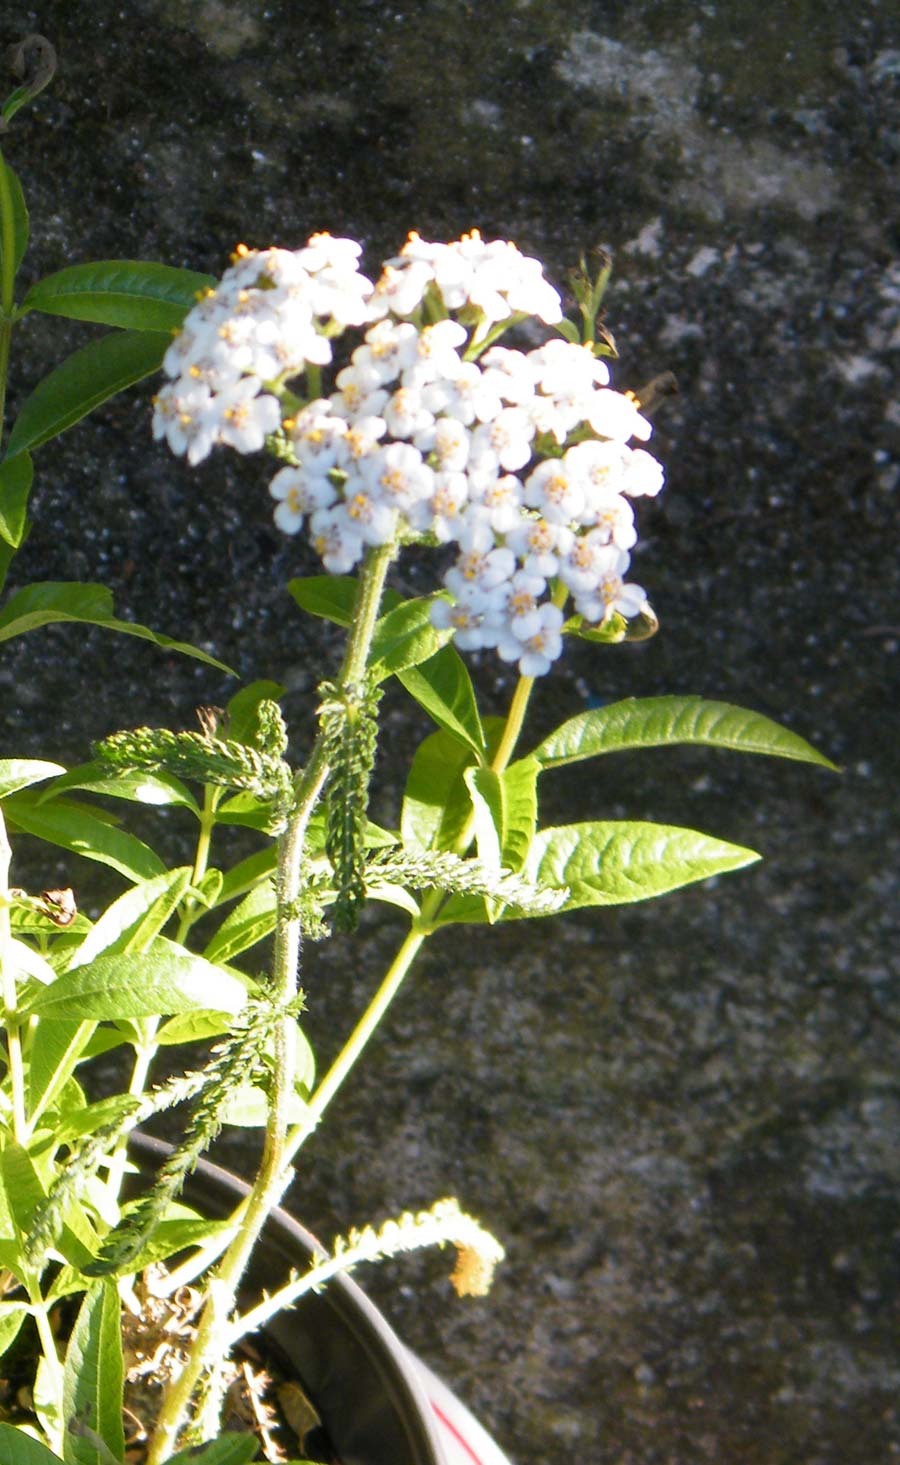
[132,294]
[251,921]
[443,687]
[135,918]
[155,789]
[86,379]
[93,1377]
[405,637]
[53,602]
[653,722]
[16,475]
[82,831]
[163,981]
[618,862]
[16,773]
[19,1448]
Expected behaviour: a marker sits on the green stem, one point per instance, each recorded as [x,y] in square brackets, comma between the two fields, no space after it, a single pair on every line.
[10,1000]
[409,949]
[273,1171]
[51,1357]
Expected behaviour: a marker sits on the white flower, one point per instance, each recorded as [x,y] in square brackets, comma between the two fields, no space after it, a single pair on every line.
[446,505]
[644,476]
[467,394]
[615,415]
[554,492]
[539,545]
[245,418]
[405,413]
[507,439]
[498,502]
[336,540]
[390,348]
[535,653]
[397,475]
[299,493]
[611,593]
[479,570]
[474,623]
[436,354]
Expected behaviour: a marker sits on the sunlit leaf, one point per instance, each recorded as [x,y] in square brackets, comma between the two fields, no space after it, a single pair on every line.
[618,862]
[652,722]
[133,294]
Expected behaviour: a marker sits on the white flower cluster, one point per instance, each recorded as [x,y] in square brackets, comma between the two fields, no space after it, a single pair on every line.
[521,459]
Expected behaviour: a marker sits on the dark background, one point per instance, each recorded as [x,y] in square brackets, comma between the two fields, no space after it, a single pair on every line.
[681,1118]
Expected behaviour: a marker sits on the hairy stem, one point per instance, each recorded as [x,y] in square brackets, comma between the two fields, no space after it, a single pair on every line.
[411,946]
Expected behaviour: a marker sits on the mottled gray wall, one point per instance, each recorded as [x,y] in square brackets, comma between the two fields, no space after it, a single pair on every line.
[681,1118]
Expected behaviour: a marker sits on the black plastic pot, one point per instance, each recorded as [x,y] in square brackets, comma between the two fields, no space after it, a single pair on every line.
[361,1378]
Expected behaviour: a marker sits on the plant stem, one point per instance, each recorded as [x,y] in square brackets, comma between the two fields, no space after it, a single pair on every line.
[273,1171]
[410,948]
[50,1355]
[8,980]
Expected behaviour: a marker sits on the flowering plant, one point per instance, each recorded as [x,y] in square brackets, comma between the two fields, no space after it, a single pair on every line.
[396,418]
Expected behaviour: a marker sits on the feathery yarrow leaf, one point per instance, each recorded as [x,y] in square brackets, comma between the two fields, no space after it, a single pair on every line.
[349,721]
[205,758]
[443,870]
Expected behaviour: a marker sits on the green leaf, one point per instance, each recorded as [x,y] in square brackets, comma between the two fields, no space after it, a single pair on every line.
[242,877]
[20,217]
[652,722]
[617,862]
[228,1449]
[19,1448]
[404,638]
[331,597]
[12,1316]
[84,381]
[248,923]
[25,1191]
[55,601]
[192,1027]
[511,797]
[608,633]
[171,1236]
[442,686]
[436,802]
[16,475]
[133,294]
[157,789]
[134,920]
[93,1377]
[16,773]
[78,829]
[243,709]
[161,982]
